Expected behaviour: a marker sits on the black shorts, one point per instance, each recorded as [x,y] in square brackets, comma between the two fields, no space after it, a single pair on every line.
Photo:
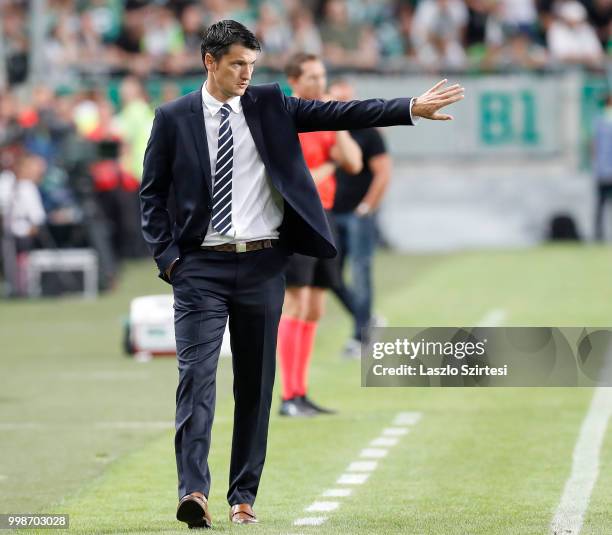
[310,271]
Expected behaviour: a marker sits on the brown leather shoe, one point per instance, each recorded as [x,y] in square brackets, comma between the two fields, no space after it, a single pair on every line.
[242,513]
[193,509]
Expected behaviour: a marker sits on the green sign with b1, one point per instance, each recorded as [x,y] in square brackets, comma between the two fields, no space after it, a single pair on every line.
[509,118]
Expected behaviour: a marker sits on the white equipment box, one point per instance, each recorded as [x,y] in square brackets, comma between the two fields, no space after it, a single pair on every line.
[149,330]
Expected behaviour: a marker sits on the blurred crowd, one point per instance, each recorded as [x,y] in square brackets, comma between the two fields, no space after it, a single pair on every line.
[71,159]
[163,36]
[70,168]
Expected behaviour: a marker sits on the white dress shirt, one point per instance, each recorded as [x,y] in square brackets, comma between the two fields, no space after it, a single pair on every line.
[257,207]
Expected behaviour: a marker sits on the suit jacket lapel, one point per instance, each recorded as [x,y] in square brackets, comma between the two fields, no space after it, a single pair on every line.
[198,129]
[252,116]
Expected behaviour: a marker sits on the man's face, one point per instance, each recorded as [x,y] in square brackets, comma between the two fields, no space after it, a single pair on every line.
[311,84]
[232,73]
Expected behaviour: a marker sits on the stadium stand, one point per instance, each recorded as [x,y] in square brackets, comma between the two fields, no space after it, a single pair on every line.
[79,80]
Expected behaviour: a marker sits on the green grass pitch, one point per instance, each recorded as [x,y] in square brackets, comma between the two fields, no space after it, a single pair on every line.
[480,461]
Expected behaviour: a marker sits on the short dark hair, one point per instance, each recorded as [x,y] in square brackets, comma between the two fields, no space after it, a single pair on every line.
[293,68]
[221,35]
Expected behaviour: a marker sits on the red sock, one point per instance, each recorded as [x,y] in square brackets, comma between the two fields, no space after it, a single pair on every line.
[289,331]
[308,331]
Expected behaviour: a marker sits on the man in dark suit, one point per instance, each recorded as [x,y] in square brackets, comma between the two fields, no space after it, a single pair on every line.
[244,200]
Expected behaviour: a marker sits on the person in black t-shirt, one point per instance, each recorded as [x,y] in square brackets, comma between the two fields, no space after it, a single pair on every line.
[357,199]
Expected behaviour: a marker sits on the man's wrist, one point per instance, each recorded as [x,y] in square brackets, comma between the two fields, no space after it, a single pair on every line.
[415,119]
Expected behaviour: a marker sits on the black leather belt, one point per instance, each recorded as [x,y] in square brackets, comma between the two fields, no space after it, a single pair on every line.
[241,247]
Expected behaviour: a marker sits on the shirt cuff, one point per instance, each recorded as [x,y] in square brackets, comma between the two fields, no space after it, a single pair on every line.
[414,120]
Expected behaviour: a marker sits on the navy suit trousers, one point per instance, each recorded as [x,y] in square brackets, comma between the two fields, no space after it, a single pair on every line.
[210,287]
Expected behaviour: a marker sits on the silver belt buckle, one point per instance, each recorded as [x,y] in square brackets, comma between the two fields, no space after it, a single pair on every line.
[241,247]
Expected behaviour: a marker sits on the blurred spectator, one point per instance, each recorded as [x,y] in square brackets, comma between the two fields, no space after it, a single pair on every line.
[215,11]
[405,15]
[478,15]
[438,30]
[127,54]
[170,91]
[510,33]
[16,45]
[64,214]
[516,14]
[515,48]
[602,164]
[104,16]
[20,201]
[134,122]
[63,53]
[112,193]
[43,129]
[237,10]
[346,43]
[92,52]
[244,12]
[305,36]
[600,15]
[188,59]
[22,215]
[571,39]
[274,34]
[9,127]
[380,17]
[162,39]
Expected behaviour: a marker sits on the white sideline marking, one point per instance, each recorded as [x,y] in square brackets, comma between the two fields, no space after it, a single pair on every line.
[310,521]
[395,431]
[362,466]
[337,493]
[352,479]
[321,507]
[574,502]
[407,418]
[384,441]
[493,318]
[358,472]
[373,453]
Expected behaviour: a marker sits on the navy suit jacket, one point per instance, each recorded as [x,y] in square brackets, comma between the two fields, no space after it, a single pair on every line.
[177,155]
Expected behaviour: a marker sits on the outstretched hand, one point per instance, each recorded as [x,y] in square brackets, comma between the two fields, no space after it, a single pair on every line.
[431,102]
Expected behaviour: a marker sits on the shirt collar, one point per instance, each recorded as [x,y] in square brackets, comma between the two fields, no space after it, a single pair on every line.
[215,105]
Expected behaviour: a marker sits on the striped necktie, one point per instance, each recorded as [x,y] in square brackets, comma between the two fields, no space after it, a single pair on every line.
[222,189]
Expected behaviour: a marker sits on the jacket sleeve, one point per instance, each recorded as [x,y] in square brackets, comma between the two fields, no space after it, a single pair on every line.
[316,115]
[156,180]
